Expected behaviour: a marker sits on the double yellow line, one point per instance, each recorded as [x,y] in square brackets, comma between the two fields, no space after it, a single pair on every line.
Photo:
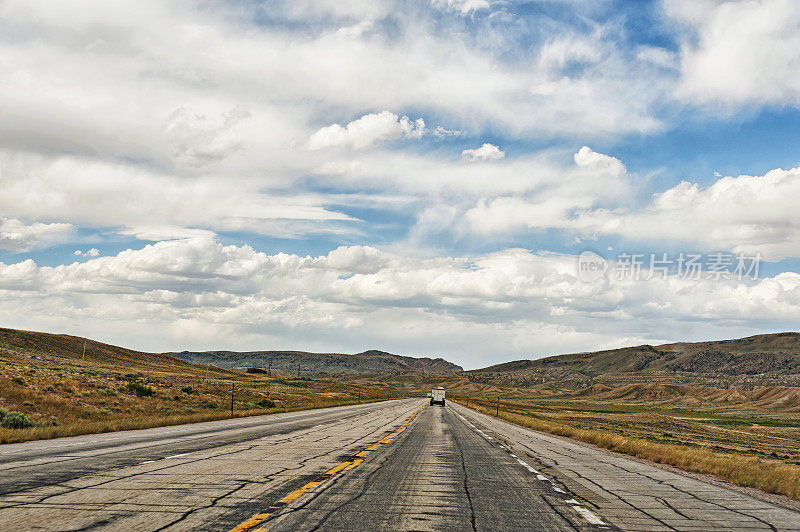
[260,517]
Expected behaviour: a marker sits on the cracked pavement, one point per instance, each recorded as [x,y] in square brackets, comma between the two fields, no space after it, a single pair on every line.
[384,466]
[205,475]
[632,494]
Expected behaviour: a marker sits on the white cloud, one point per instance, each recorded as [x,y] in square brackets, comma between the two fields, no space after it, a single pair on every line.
[153,204]
[746,214]
[739,52]
[367,131]
[487,152]
[558,199]
[198,140]
[440,131]
[15,235]
[197,120]
[165,232]
[361,295]
[462,6]
[94,252]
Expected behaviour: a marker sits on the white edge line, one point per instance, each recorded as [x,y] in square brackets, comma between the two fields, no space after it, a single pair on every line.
[588,515]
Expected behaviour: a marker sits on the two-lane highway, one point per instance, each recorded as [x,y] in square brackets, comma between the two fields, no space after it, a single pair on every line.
[398,465]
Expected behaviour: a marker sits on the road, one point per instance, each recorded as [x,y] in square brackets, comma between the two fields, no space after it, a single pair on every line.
[397,465]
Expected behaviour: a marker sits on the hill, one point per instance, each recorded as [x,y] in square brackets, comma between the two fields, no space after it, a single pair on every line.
[330,363]
[767,359]
[40,345]
[50,386]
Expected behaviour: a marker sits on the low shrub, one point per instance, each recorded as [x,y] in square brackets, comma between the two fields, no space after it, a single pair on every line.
[15,420]
[266,403]
[141,390]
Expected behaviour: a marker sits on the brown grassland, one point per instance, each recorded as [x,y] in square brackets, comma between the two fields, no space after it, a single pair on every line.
[62,393]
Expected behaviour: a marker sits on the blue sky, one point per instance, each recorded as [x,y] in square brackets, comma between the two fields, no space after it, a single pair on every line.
[414,177]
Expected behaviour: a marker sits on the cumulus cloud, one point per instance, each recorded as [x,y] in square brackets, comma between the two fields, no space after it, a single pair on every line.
[747,214]
[487,152]
[744,214]
[93,252]
[367,131]
[739,52]
[15,235]
[504,298]
[559,199]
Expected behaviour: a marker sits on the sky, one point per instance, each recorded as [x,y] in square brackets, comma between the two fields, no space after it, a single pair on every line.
[474,179]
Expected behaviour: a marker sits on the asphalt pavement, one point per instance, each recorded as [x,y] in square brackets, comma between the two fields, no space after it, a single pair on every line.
[396,465]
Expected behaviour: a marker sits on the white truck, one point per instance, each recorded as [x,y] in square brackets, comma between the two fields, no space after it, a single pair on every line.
[437,396]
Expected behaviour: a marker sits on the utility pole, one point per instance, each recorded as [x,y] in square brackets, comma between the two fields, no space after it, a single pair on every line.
[497,413]
[298,370]
[269,371]
[233,389]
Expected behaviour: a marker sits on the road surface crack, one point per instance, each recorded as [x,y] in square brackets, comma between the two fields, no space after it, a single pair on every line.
[466,483]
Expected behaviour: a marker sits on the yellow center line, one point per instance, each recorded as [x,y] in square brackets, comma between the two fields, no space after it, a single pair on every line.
[250,523]
[336,469]
[296,493]
[258,518]
[354,465]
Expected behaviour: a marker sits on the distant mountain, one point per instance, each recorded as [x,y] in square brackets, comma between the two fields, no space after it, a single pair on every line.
[765,358]
[333,363]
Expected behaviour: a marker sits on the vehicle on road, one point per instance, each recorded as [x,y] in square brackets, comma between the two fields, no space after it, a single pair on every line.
[437,396]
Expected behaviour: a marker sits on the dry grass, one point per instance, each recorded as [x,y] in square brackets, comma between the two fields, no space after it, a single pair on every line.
[772,476]
[97,427]
[47,378]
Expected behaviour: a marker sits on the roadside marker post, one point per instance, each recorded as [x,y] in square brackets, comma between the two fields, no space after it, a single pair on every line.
[497,412]
[233,388]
